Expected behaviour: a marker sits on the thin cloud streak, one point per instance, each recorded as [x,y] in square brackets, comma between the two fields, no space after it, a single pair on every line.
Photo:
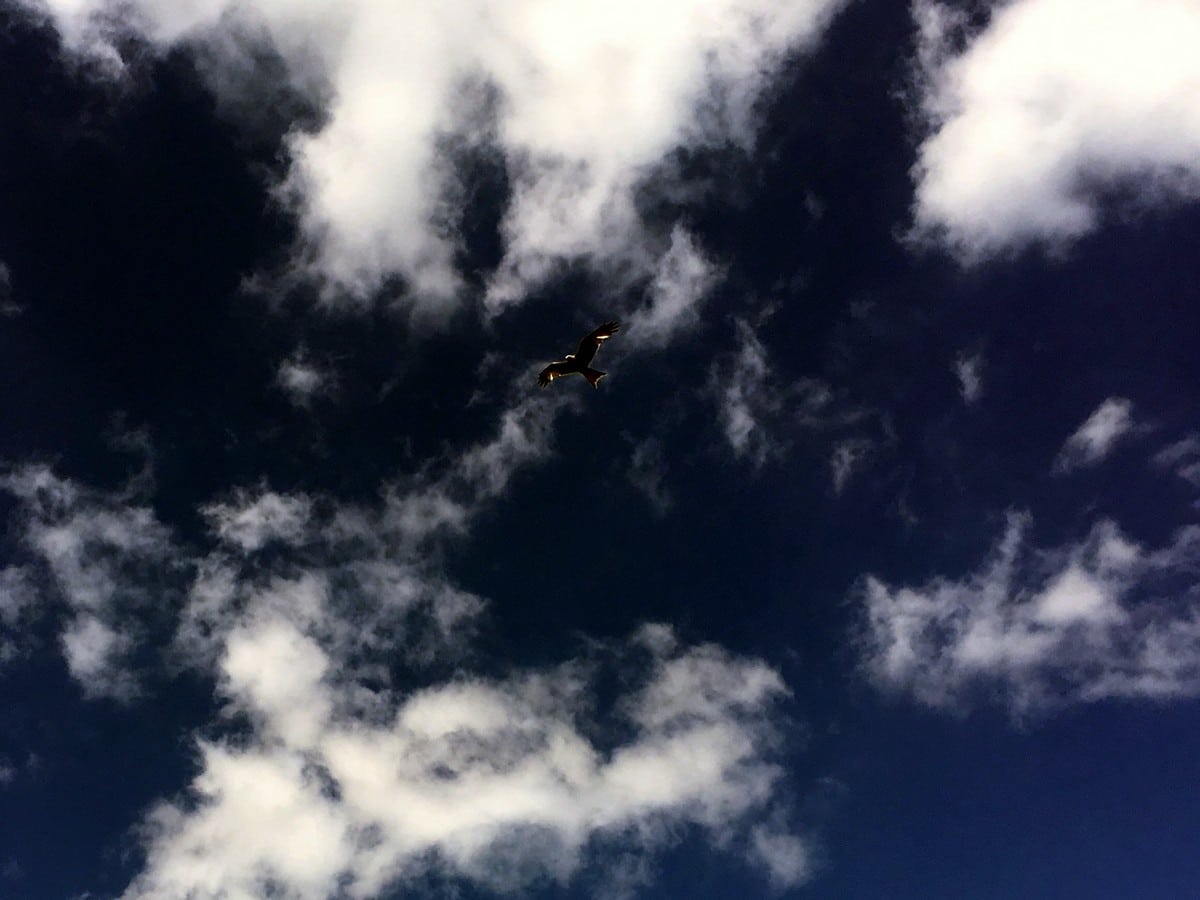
[1111,421]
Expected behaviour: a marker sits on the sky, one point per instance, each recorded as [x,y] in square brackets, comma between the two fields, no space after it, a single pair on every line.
[871,570]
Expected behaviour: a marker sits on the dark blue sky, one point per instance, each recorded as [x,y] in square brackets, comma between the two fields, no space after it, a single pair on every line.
[872,570]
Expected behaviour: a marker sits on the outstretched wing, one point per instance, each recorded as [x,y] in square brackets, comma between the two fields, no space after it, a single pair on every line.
[590,344]
[554,370]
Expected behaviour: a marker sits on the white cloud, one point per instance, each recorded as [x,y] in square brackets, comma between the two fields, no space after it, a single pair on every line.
[338,777]
[1053,104]
[590,98]
[750,399]
[788,858]
[681,283]
[495,778]
[301,380]
[251,522]
[847,456]
[1099,619]
[969,370]
[97,549]
[1095,438]
[1183,458]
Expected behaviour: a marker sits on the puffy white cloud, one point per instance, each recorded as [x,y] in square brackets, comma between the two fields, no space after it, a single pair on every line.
[340,778]
[1052,106]
[588,98]
[1098,619]
[1095,438]
[492,780]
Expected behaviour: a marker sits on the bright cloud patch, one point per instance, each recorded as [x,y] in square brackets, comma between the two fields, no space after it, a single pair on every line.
[1053,104]
[1096,437]
[342,778]
[588,98]
[494,781]
[1103,618]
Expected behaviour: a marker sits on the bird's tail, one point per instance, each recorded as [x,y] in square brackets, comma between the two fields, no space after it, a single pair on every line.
[593,376]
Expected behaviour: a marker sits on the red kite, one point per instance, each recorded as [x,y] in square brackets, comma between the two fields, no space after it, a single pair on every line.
[580,360]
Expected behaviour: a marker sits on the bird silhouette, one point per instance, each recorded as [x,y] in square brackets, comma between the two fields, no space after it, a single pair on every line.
[580,361]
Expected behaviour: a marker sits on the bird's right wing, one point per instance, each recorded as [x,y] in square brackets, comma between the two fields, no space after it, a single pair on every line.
[590,344]
[552,371]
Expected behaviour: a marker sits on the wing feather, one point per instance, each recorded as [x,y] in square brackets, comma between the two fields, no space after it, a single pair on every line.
[552,371]
[590,344]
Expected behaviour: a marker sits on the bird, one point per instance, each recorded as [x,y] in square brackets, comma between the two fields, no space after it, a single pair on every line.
[580,360]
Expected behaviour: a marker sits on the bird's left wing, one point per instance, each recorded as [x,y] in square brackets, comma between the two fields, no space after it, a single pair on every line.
[590,344]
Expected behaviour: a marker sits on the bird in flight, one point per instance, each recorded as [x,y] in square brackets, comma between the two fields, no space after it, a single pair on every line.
[580,360]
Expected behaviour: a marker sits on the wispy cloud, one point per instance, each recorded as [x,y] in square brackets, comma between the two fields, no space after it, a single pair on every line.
[1035,119]
[95,550]
[758,411]
[846,458]
[1101,618]
[303,380]
[683,279]
[1183,458]
[587,102]
[969,371]
[647,473]
[1097,436]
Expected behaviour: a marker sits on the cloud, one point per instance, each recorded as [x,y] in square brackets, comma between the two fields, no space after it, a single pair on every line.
[250,523]
[755,406]
[301,380]
[578,103]
[969,370]
[8,309]
[1097,436]
[103,556]
[1183,458]
[647,471]
[493,780]
[847,456]
[1052,107]
[357,747]
[682,281]
[18,598]
[750,399]
[1101,618]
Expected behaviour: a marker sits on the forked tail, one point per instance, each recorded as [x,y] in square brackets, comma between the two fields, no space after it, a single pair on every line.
[593,376]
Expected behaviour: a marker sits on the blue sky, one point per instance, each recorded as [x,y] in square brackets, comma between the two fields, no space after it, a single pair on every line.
[871,570]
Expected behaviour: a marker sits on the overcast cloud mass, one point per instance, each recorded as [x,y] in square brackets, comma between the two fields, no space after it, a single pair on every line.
[871,569]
